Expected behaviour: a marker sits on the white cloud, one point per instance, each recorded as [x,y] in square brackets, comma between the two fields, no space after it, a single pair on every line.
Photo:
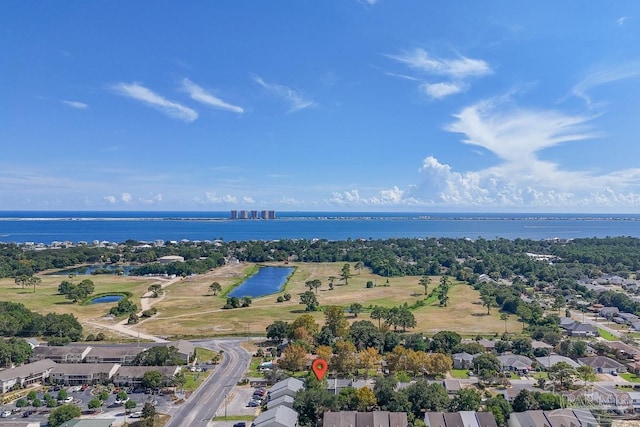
[151,200]
[605,76]
[145,95]
[249,200]
[110,199]
[441,90]
[199,94]
[458,68]
[126,197]
[75,104]
[296,100]
[521,180]
[622,20]
[214,198]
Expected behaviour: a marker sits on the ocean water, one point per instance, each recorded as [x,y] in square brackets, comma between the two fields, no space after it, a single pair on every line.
[47,227]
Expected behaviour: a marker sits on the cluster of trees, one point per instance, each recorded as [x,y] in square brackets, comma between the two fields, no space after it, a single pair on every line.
[17,320]
[159,356]
[415,400]
[463,259]
[77,292]
[14,351]
[124,306]
[235,302]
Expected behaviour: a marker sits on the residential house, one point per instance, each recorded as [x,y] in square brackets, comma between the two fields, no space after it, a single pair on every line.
[463,360]
[24,375]
[577,329]
[608,312]
[548,361]
[515,363]
[282,400]
[460,419]
[132,375]
[122,355]
[603,364]
[281,416]
[452,386]
[83,373]
[364,419]
[60,354]
[289,387]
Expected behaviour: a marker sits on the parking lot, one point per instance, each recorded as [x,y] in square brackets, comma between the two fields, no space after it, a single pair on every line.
[81,396]
[237,403]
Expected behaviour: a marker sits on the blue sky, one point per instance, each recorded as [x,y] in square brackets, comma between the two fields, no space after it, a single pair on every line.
[320,105]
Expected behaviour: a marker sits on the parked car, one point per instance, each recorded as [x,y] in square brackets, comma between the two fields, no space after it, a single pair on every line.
[253,403]
[69,399]
[5,414]
[27,413]
[137,414]
[241,424]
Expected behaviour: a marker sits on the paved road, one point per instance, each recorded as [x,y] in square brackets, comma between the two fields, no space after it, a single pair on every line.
[202,405]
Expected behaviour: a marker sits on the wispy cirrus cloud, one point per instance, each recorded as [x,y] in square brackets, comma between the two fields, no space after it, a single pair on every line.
[455,70]
[296,100]
[605,76]
[458,67]
[75,104]
[197,93]
[622,20]
[147,96]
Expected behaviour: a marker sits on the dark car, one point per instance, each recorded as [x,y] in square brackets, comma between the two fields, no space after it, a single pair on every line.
[27,413]
[242,424]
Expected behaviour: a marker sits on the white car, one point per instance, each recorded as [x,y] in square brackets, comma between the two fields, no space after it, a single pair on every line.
[69,399]
[5,414]
[137,414]
[121,401]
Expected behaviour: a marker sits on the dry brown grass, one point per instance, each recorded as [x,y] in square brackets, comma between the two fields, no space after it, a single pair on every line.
[188,308]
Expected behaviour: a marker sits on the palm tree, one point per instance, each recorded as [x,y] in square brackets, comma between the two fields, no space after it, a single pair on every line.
[505,317]
[34,281]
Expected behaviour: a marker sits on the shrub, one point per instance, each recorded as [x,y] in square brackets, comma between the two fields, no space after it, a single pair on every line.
[369,284]
[280,299]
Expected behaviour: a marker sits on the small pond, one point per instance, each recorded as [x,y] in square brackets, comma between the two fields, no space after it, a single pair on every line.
[106,298]
[267,280]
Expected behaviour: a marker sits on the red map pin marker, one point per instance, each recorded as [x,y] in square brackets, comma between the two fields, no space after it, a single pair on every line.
[319,367]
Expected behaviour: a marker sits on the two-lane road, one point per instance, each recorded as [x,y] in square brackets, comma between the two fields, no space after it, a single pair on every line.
[201,406]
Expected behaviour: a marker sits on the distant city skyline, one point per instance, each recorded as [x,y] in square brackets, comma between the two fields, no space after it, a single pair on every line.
[339,105]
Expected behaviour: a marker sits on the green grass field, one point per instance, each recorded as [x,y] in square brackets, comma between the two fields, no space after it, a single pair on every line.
[607,335]
[188,309]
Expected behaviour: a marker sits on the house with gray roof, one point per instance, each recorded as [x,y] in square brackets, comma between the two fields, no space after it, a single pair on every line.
[282,400]
[280,416]
[364,419]
[515,363]
[289,387]
[608,312]
[463,360]
[24,375]
[548,361]
[460,419]
[578,329]
[602,364]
